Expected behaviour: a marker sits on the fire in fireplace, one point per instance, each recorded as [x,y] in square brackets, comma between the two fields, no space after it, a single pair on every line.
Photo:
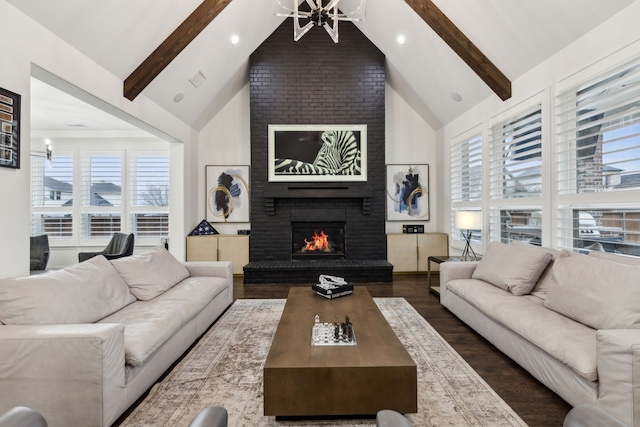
[317,240]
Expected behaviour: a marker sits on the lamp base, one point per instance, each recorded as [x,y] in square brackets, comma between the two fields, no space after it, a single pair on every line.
[467,248]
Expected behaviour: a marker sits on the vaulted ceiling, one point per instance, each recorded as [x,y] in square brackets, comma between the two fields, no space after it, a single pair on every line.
[515,35]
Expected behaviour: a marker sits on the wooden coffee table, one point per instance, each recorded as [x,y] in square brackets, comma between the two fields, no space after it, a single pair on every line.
[304,380]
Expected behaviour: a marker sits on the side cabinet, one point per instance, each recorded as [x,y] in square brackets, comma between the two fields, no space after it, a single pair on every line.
[219,247]
[409,252]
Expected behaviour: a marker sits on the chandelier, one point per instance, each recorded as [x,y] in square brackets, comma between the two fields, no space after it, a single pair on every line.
[321,13]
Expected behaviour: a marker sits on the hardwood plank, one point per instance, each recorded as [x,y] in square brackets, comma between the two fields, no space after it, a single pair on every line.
[172,46]
[531,400]
[464,47]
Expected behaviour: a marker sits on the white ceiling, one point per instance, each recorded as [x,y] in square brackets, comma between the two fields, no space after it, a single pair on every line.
[515,35]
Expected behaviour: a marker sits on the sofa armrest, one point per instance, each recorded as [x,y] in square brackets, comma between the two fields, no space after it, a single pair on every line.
[210,269]
[71,374]
[618,364]
[453,270]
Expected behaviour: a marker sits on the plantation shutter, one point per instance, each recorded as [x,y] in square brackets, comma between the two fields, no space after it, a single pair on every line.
[52,196]
[516,156]
[149,194]
[598,133]
[466,170]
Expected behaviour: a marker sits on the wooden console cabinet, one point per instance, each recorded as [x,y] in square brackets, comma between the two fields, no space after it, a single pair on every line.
[219,247]
[410,252]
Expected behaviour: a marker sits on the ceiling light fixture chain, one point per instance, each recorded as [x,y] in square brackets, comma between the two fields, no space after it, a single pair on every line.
[320,14]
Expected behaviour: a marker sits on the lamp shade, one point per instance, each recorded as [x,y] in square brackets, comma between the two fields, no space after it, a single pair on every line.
[468,220]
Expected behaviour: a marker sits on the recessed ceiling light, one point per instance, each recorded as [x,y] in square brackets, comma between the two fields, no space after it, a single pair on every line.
[235,39]
[179,97]
[400,39]
[456,96]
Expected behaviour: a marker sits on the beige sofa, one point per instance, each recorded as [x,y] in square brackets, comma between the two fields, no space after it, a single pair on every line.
[571,320]
[82,344]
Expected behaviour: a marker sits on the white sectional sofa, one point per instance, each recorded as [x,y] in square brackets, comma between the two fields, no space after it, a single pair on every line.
[571,320]
[82,344]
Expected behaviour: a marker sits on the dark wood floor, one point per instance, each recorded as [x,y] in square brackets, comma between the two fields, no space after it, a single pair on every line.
[533,402]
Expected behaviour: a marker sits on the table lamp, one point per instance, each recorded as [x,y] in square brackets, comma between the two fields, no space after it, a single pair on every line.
[468,220]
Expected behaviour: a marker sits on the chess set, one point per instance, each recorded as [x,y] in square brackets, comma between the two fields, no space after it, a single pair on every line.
[333,334]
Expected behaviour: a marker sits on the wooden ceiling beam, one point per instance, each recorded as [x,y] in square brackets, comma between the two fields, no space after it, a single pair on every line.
[461,45]
[172,46]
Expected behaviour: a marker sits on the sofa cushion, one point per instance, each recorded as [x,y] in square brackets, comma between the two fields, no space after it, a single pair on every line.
[599,293]
[513,269]
[542,285]
[148,324]
[150,273]
[81,293]
[567,341]
[621,258]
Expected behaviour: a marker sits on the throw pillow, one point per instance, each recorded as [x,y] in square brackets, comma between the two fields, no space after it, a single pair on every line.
[513,269]
[595,292]
[542,285]
[81,293]
[151,273]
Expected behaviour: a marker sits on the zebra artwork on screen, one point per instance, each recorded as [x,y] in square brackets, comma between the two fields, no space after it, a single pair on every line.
[317,153]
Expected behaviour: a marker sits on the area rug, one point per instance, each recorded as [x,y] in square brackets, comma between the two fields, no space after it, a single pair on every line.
[225,369]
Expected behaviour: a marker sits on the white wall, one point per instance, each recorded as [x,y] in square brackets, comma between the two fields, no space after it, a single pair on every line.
[607,45]
[410,141]
[29,43]
[226,140]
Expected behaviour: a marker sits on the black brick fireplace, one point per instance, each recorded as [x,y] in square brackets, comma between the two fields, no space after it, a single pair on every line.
[316,82]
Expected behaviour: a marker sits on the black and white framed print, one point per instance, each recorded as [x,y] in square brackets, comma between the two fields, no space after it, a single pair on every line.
[317,153]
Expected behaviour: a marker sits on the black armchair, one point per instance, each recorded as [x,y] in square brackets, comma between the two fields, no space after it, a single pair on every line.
[39,253]
[121,245]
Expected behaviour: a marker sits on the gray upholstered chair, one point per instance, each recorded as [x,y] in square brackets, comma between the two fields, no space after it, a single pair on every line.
[213,416]
[389,418]
[591,416]
[21,416]
[39,252]
[121,245]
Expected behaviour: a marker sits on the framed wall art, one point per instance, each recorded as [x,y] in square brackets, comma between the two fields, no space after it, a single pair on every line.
[317,153]
[9,129]
[227,193]
[407,192]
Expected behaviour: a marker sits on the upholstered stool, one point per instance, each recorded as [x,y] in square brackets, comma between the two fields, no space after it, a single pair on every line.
[213,416]
[591,416]
[389,418]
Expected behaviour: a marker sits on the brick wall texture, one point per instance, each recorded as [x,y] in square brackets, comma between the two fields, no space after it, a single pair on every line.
[314,81]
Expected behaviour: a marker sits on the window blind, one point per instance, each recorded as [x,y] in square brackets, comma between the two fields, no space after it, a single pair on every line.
[598,133]
[149,194]
[52,196]
[466,170]
[515,167]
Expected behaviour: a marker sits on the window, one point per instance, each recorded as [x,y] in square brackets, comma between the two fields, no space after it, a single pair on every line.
[518,224]
[149,191]
[101,195]
[466,179]
[598,134]
[516,155]
[598,158]
[118,191]
[52,196]
[466,170]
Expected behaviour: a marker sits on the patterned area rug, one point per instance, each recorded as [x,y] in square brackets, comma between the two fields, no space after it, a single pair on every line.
[225,369]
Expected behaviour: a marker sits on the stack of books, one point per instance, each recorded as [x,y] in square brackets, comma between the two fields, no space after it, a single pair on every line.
[331,287]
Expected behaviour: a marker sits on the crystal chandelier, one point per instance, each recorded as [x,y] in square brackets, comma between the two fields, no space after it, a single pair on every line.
[323,13]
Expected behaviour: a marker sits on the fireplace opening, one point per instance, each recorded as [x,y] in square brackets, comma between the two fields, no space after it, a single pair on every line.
[314,240]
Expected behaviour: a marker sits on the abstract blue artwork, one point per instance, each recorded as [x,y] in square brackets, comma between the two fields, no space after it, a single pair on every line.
[227,193]
[407,192]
